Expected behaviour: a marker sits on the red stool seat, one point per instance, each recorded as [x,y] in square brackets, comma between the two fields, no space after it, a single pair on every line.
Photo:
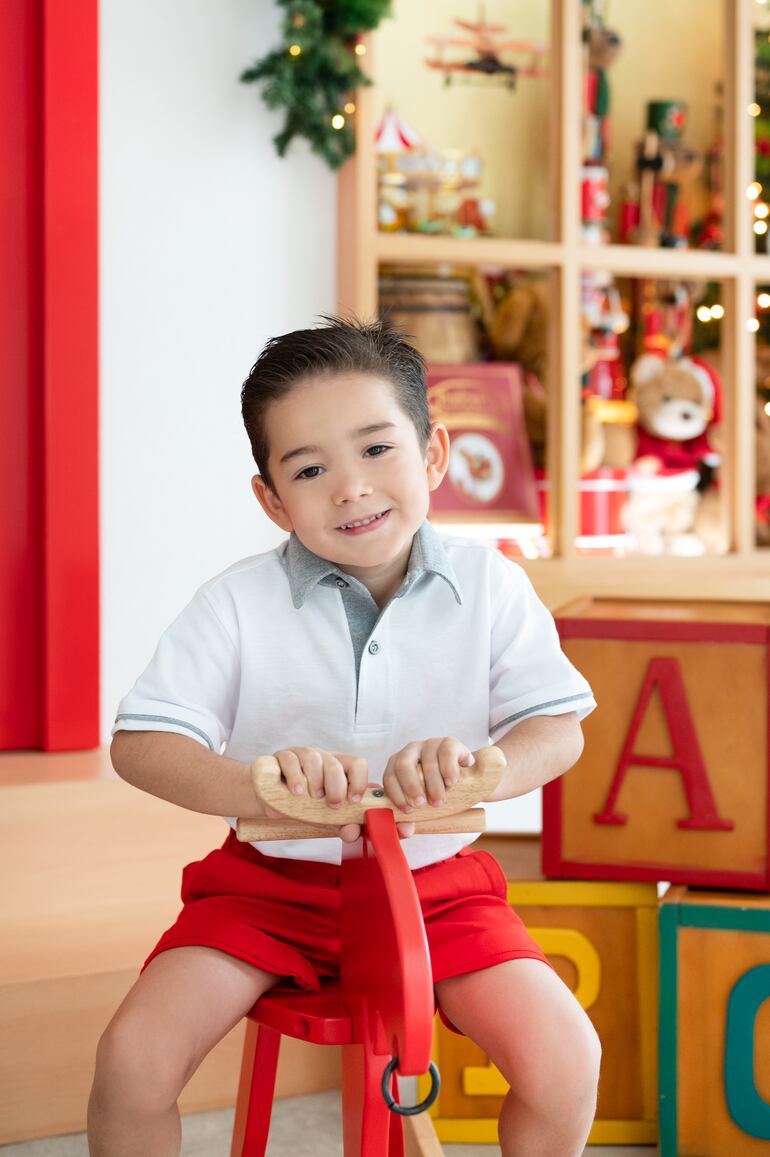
[318,1017]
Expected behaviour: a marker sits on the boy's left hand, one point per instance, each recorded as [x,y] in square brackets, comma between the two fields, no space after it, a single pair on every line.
[439,760]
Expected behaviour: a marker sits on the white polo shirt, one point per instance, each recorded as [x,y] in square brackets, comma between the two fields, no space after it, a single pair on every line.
[284,650]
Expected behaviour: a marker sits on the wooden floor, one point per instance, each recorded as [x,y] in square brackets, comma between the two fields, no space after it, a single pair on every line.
[91,870]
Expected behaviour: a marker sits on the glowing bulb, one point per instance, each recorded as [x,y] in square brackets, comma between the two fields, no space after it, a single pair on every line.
[767,404]
[703,313]
[753,190]
[294,50]
[763,301]
[752,325]
[760,227]
[754,110]
[360,50]
[338,121]
[717,312]
[350,108]
[762,209]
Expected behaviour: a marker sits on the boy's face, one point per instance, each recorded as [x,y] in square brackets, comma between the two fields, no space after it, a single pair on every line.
[342,452]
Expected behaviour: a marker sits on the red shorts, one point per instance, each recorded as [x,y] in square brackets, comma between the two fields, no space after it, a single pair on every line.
[283,915]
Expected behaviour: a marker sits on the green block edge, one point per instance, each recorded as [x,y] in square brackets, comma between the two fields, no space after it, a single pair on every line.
[668,1030]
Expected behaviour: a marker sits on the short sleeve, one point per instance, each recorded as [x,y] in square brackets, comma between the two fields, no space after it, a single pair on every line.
[190,685]
[529,672]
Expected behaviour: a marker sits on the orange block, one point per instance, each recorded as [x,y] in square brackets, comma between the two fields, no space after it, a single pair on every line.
[714,1024]
[673,782]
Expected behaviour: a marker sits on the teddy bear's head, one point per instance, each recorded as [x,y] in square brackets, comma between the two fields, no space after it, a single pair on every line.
[674,398]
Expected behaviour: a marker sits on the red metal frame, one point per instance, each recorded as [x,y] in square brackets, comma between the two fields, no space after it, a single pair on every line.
[554,864]
[71,597]
[49,330]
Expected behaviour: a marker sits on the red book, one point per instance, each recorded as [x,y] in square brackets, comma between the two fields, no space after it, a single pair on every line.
[490,476]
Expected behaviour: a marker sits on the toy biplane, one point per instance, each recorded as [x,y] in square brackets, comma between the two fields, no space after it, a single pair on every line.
[488,47]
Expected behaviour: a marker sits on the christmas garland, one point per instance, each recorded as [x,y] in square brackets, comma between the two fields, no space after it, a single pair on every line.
[315,72]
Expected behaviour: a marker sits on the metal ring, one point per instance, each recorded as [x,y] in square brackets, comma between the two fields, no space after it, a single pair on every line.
[409,1110]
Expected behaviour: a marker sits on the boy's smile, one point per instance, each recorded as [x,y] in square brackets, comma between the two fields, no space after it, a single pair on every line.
[351,479]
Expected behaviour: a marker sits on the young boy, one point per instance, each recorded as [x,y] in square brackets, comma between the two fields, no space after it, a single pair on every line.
[367,647]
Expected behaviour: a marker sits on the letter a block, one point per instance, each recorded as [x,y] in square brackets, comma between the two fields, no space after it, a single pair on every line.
[714,1024]
[602,940]
[673,782]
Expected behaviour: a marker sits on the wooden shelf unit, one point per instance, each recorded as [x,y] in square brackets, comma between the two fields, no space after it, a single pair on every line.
[362,248]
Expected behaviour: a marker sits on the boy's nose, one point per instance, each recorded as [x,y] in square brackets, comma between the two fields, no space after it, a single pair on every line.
[352,488]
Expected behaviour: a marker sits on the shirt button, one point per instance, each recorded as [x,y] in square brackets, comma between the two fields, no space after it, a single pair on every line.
[341,583]
[374,647]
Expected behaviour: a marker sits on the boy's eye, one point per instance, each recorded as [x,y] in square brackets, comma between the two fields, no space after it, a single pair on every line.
[308,472]
[377,450]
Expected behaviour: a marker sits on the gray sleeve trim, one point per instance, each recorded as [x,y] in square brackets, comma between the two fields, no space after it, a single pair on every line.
[167,719]
[540,707]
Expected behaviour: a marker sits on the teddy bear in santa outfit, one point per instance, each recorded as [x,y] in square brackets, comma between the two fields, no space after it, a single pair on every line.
[676,400]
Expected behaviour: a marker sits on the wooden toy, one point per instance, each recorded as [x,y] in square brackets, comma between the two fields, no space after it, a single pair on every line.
[381,1009]
[602,940]
[673,782]
[714,1024]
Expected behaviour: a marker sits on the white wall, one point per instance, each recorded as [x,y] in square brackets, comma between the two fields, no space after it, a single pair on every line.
[209,244]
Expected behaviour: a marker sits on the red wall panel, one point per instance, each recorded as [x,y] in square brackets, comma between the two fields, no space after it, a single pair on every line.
[49,581]
[21,372]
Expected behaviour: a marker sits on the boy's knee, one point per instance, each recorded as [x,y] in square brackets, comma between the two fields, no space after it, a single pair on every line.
[133,1070]
[562,1081]
[577,1081]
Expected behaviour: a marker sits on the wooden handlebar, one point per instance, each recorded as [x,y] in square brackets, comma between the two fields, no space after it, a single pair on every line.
[306,818]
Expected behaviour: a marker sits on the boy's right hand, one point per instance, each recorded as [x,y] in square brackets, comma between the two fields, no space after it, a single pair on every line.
[331,774]
[325,773]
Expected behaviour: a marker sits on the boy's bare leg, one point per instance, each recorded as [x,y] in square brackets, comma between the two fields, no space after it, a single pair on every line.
[530,1025]
[185,1001]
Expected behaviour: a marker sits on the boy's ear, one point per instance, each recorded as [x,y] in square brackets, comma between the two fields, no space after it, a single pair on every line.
[437,455]
[271,503]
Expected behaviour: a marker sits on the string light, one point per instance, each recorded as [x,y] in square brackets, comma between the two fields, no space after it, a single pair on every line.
[753,190]
[717,311]
[360,50]
[760,227]
[703,313]
[763,301]
[752,325]
[761,210]
[338,121]
[350,108]
[754,110]
[294,50]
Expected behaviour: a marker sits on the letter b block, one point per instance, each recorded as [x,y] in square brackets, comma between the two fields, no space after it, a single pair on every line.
[714,1024]
[602,941]
[673,782]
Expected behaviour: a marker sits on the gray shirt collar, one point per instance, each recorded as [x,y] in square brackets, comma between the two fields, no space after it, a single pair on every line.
[305,569]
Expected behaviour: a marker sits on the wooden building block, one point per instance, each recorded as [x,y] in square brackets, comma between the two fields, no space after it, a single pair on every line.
[714,1024]
[673,782]
[602,940]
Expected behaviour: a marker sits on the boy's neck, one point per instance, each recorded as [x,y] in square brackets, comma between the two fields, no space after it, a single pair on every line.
[383,581]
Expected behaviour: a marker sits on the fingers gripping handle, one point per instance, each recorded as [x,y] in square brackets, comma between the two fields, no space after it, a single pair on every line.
[306,818]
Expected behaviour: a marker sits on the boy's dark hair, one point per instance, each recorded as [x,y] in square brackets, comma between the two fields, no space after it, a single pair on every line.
[339,346]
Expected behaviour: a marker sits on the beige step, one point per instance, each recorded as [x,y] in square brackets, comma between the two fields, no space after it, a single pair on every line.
[91,870]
